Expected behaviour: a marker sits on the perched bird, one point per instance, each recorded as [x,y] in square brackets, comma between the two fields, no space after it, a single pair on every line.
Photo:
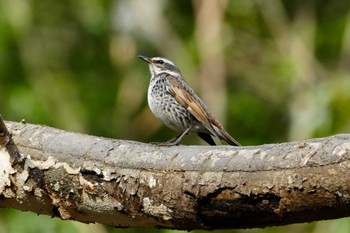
[178,107]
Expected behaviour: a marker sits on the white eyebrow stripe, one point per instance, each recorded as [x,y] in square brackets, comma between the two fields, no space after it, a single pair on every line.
[169,72]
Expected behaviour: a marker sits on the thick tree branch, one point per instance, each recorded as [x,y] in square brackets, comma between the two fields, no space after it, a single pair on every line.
[131,184]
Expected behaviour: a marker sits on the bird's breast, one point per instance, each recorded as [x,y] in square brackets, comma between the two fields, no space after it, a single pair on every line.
[165,107]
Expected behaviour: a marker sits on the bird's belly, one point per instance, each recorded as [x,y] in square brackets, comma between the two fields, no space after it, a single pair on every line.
[169,112]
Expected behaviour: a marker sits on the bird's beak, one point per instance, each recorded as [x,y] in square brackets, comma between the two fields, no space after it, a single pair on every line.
[146,59]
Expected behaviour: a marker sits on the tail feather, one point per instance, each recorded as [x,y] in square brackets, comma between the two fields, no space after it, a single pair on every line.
[227,138]
[221,133]
[207,138]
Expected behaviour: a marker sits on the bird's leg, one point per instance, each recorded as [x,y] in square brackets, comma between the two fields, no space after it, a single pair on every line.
[176,140]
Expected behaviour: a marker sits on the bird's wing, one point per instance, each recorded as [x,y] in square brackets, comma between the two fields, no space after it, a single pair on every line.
[192,104]
[197,110]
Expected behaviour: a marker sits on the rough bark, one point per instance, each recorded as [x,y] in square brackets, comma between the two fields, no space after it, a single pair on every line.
[131,184]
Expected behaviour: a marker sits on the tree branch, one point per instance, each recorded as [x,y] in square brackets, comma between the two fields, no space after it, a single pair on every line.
[131,184]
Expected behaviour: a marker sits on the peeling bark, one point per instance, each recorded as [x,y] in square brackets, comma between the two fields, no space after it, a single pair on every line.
[131,184]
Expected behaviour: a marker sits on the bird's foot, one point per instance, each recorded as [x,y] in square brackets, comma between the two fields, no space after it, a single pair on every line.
[171,142]
[174,141]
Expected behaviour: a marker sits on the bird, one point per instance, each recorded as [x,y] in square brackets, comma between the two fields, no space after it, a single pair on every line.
[175,104]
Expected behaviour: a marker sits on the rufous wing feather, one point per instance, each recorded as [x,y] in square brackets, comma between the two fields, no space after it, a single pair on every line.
[196,109]
[190,103]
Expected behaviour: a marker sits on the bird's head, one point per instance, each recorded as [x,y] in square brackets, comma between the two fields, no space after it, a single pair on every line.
[159,64]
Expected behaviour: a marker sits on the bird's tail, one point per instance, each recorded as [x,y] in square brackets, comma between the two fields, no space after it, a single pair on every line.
[223,135]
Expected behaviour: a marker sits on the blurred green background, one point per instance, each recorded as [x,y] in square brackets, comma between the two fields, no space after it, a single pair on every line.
[271,71]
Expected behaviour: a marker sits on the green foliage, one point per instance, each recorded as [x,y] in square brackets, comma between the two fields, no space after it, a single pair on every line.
[280,71]
[20,222]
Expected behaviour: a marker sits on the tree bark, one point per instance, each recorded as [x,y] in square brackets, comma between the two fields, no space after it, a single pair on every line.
[131,184]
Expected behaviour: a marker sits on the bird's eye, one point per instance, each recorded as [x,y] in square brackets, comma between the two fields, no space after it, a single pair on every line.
[159,61]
